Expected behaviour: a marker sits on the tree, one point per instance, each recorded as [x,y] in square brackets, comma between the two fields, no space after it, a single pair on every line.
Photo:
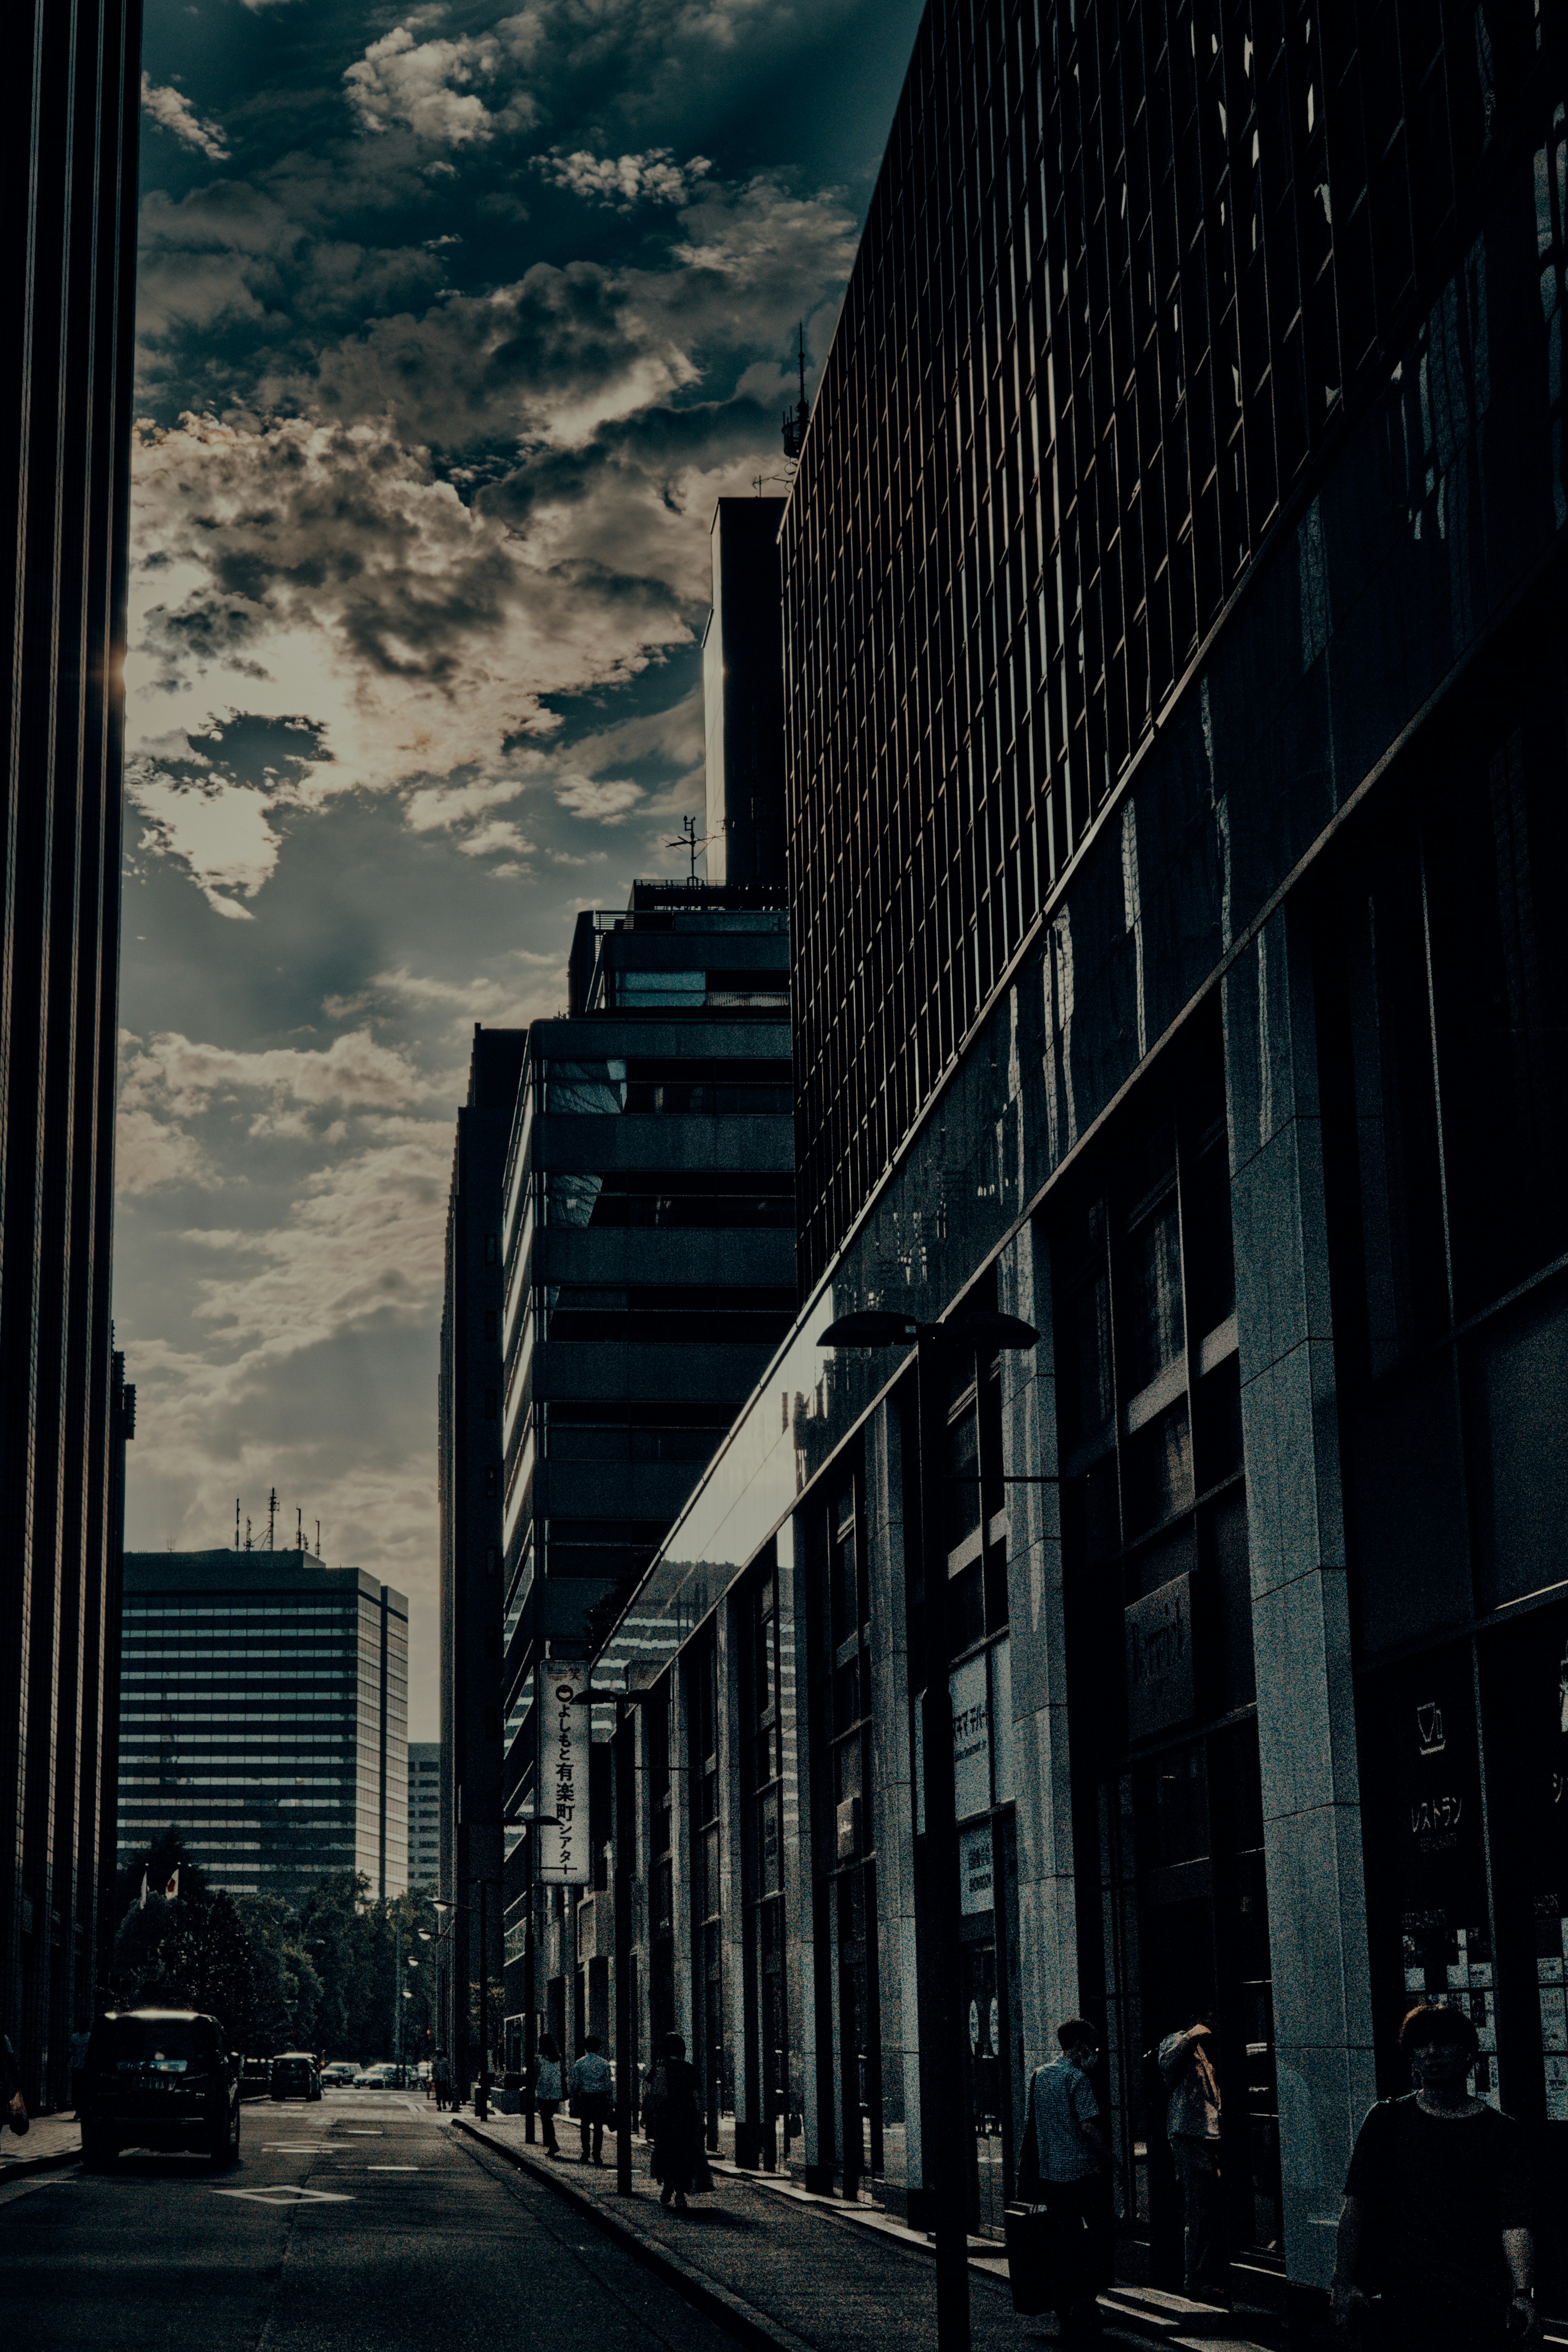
[192,1952]
[287,1984]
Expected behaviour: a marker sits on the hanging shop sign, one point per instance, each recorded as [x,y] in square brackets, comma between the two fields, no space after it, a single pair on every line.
[566,1856]
[1159,1632]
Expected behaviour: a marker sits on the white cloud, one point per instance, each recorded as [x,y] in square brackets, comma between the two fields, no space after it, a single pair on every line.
[605,802]
[172,110]
[431,87]
[624,180]
[180,1078]
[222,831]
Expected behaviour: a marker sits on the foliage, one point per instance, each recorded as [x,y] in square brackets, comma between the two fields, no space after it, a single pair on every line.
[321,1978]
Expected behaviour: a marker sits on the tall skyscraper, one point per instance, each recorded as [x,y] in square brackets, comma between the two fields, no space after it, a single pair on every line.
[1175,587]
[264,1714]
[425,1815]
[68,158]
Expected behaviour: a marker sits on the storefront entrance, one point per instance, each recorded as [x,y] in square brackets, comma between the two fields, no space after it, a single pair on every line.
[1186,1925]
[981,2008]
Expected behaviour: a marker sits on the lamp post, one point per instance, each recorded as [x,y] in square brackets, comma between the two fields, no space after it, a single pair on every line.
[624,1842]
[941,2073]
[536,1822]
[482,2108]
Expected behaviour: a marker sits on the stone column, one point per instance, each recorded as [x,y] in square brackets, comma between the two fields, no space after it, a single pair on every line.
[742,2089]
[680,1853]
[807,2059]
[1300,1617]
[894,1822]
[1047,1908]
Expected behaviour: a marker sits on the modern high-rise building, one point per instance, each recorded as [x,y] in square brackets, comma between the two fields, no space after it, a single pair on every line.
[264,1715]
[425,1816]
[66,281]
[1176,591]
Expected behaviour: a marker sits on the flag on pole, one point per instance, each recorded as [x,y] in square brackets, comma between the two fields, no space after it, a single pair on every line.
[172,1888]
[142,1906]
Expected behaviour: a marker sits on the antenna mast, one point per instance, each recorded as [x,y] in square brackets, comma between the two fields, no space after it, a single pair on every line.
[236,1523]
[691,840]
[795,425]
[271,1514]
[318,1539]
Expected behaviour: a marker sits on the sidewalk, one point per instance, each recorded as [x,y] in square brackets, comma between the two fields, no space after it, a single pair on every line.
[783,2268]
[53,2140]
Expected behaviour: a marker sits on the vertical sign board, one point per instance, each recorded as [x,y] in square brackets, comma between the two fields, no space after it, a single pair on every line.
[1431,1787]
[970,1739]
[565,1857]
[1159,1638]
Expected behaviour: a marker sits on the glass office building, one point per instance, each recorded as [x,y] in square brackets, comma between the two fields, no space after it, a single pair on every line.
[425,1815]
[1177,743]
[264,1714]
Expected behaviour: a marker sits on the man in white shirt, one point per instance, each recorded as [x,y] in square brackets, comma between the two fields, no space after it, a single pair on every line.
[1067,2163]
[592,2088]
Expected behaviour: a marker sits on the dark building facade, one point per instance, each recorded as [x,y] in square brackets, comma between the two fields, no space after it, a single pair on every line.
[67,285]
[743,695]
[264,1715]
[469,1449]
[648,1241]
[1176,734]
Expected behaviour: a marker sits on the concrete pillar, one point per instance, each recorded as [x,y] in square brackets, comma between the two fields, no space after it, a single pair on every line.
[805,2058]
[890,1780]
[1038,1652]
[742,2090]
[680,1852]
[1300,1618]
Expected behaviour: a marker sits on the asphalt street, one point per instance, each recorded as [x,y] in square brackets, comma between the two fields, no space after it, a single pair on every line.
[359,2224]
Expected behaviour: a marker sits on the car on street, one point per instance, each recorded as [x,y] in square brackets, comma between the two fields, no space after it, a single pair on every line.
[339,2075]
[376,2078]
[295,2076]
[158,2078]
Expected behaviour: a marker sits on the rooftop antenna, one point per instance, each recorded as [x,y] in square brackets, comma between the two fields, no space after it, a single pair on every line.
[271,1514]
[691,840]
[298,1529]
[318,1539]
[249,1545]
[236,1523]
[795,425]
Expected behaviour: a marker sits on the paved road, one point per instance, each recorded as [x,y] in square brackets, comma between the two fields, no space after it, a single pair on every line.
[360,2224]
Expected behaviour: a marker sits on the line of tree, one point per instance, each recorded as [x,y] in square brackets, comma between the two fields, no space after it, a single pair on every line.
[315,1975]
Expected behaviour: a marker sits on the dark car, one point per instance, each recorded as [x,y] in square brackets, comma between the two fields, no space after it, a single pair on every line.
[158,2078]
[295,2077]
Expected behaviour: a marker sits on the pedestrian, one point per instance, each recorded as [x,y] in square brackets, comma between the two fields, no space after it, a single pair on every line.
[1439,2203]
[673,2117]
[1192,2124]
[592,2083]
[442,2072]
[79,2042]
[547,2089]
[1066,2164]
[15,2105]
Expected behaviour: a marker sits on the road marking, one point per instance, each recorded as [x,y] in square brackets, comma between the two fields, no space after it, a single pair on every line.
[281,2193]
[364,2134]
[394,2167]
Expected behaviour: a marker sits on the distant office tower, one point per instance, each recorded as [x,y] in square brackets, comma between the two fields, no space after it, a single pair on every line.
[743,695]
[468,1464]
[68,120]
[264,1711]
[425,1814]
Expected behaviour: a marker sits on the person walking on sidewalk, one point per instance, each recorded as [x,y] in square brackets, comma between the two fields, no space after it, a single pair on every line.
[590,2087]
[438,2077]
[1192,2124]
[547,2089]
[673,2115]
[1065,2165]
[1439,2204]
[13,2105]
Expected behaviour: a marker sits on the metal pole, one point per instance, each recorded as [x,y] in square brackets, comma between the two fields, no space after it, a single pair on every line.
[625,2057]
[481,2110]
[944,2074]
[397,1998]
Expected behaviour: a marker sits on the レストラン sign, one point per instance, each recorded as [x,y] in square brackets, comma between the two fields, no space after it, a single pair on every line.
[564,1852]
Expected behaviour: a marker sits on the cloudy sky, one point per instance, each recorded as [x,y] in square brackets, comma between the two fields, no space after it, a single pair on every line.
[453,324]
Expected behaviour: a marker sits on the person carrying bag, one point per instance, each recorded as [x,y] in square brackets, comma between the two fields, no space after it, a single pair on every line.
[17,2114]
[1061,2233]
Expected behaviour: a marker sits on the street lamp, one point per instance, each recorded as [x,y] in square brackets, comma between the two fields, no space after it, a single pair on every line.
[945,2121]
[624,1841]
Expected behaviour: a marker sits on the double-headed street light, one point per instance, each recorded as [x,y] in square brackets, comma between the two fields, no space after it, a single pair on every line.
[946,2122]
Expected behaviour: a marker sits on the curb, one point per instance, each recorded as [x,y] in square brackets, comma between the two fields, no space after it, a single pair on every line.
[737,2318]
[21,2168]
